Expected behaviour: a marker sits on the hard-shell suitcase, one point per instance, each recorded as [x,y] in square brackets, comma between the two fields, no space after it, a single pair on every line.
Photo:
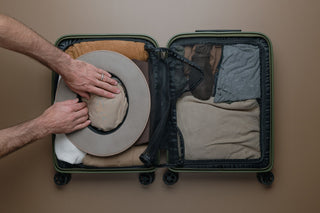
[173,81]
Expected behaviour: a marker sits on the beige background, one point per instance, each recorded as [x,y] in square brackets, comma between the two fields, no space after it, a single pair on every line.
[26,176]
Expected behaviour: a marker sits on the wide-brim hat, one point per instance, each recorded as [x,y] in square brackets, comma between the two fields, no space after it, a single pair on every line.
[139,102]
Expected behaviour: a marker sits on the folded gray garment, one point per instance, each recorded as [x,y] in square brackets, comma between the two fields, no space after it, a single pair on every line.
[219,130]
[239,74]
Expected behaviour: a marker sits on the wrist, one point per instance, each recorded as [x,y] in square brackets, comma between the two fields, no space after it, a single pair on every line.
[61,64]
[42,127]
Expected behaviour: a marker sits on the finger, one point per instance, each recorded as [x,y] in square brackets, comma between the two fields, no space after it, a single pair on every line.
[82,125]
[99,73]
[71,101]
[106,79]
[81,119]
[84,94]
[106,73]
[110,81]
[79,106]
[81,113]
[102,92]
[108,87]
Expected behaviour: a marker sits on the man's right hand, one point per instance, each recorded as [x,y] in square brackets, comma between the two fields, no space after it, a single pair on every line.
[65,117]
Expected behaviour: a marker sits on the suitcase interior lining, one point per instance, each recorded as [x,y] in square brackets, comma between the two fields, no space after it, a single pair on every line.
[162,88]
[63,45]
[264,103]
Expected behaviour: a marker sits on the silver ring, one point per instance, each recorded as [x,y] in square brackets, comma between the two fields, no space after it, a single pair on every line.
[102,76]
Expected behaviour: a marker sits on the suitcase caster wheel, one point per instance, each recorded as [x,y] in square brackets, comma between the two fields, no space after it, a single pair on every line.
[146,178]
[266,178]
[61,179]
[170,177]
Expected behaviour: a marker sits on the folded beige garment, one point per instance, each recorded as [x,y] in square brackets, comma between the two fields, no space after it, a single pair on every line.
[127,158]
[131,49]
[219,130]
[107,113]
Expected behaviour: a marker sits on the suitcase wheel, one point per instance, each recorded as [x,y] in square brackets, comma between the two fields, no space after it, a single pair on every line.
[266,178]
[146,178]
[170,177]
[61,179]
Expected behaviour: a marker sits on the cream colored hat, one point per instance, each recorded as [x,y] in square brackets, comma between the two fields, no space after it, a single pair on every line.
[138,95]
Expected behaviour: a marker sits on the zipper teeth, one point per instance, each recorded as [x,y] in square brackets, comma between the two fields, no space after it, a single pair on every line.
[217,34]
[145,37]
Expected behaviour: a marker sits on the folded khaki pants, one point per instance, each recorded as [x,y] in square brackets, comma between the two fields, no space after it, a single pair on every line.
[127,158]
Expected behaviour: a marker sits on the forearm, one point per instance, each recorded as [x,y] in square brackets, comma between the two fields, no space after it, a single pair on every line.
[17,37]
[62,117]
[81,77]
[17,136]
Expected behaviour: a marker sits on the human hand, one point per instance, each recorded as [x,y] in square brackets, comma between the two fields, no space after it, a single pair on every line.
[84,78]
[65,117]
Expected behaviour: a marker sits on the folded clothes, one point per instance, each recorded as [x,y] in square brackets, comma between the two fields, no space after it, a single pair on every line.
[107,113]
[124,159]
[207,57]
[131,49]
[219,130]
[66,151]
[239,74]
[188,52]
[144,67]
[215,57]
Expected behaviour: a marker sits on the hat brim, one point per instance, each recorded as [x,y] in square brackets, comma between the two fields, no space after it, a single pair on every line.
[138,95]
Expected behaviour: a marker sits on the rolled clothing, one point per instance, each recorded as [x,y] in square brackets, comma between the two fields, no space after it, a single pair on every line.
[219,130]
[239,74]
[66,151]
[124,159]
[131,49]
[107,113]
[214,58]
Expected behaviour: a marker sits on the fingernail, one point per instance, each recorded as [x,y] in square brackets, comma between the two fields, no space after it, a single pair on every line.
[112,95]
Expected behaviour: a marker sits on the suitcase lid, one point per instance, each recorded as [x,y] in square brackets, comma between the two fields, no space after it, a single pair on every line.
[227,37]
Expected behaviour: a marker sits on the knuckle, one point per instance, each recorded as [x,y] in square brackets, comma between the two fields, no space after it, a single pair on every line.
[88,88]
[72,117]
[71,108]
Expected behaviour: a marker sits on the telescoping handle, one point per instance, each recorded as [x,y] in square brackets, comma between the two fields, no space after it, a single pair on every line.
[218,31]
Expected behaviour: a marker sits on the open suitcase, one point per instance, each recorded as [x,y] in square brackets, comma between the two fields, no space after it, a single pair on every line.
[200,121]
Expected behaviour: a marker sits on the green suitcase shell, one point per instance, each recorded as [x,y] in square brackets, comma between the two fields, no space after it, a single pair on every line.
[167,139]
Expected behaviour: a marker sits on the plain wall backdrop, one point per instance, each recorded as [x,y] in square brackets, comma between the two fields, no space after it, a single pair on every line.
[26,176]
